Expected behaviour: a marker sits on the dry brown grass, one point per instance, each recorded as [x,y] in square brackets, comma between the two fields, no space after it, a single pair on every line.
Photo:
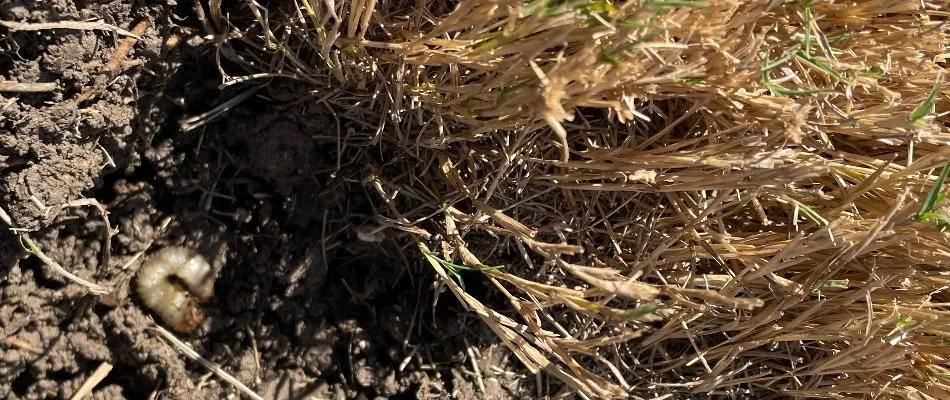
[686,197]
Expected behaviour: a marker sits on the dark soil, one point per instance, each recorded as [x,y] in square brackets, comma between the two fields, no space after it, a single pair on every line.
[302,306]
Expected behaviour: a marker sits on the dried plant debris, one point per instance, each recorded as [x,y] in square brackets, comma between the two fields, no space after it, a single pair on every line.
[675,197]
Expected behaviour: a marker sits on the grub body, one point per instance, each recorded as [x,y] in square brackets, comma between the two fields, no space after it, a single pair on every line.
[173,282]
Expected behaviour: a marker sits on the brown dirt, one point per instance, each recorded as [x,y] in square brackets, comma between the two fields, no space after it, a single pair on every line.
[301,306]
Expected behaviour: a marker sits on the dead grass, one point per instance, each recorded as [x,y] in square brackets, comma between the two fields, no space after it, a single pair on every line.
[685,197]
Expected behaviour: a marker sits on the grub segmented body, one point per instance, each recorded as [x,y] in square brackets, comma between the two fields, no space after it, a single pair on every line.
[173,282]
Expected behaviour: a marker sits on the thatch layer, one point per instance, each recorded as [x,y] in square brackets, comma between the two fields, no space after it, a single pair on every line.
[686,197]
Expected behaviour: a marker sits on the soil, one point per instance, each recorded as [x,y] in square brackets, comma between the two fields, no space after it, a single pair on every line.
[303,307]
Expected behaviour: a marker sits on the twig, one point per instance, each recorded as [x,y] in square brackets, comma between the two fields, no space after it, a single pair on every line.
[97,376]
[33,248]
[23,87]
[109,161]
[123,49]
[6,217]
[20,343]
[215,368]
[191,123]
[9,103]
[73,25]
[257,356]
[118,56]
[478,371]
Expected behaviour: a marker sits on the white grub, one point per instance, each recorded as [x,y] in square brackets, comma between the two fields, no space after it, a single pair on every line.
[173,282]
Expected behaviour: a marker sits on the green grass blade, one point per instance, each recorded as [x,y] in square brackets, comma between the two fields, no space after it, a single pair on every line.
[770,66]
[783,91]
[935,194]
[819,65]
[924,108]
[674,4]
[807,211]
[806,10]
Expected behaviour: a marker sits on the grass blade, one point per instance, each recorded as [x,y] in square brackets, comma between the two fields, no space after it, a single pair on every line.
[935,193]
[924,108]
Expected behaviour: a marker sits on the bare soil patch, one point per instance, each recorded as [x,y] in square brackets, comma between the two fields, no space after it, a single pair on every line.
[302,306]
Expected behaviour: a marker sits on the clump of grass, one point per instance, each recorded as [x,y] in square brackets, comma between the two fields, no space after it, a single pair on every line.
[687,197]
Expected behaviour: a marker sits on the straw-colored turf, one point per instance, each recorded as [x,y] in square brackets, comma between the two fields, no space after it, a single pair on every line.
[708,197]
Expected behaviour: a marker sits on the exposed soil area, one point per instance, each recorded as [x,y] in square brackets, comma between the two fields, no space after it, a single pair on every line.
[309,300]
